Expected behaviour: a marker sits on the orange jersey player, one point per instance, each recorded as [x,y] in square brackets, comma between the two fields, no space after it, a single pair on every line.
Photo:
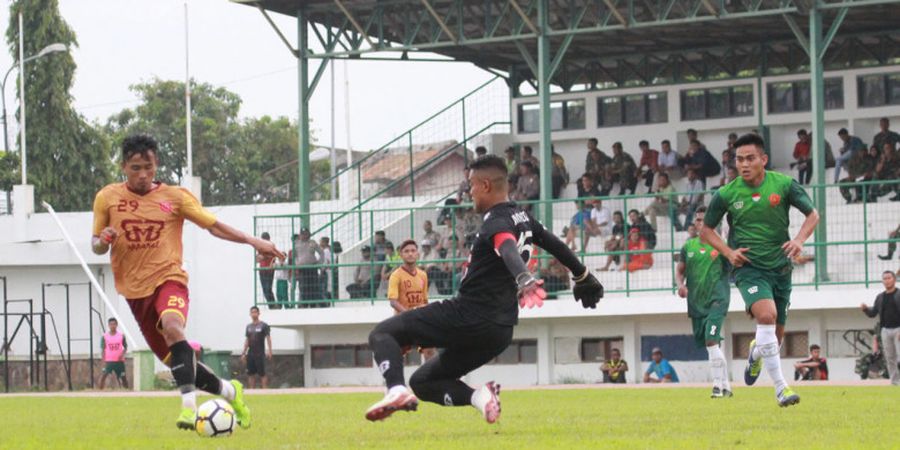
[408,285]
[141,222]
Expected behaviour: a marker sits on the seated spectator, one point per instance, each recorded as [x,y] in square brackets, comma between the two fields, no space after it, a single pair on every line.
[440,274]
[580,223]
[852,144]
[593,219]
[480,151]
[623,169]
[528,187]
[813,368]
[511,165]
[803,157]
[888,168]
[727,158]
[646,230]
[641,259]
[392,260]
[668,159]
[693,136]
[433,237]
[650,160]
[614,368]
[861,167]
[885,136]
[586,187]
[699,160]
[664,203]
[365,283]
[556,278]
[692,201]
[559,175]
[732,138]
[660,371]
[730,174]
[892,246]
[462,193]
[595,160]
[616,243]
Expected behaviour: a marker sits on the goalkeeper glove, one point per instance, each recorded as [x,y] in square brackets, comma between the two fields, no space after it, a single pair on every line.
[588,290]
[531,292]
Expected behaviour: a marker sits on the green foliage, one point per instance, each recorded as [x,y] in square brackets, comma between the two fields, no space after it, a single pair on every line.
[9,170]
[68,159]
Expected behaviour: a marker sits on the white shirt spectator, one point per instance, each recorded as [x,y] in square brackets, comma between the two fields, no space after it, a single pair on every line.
[603,218]
[696,191]
[667,161]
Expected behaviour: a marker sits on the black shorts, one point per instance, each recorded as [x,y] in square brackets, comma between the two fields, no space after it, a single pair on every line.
[256,365]
[450,326]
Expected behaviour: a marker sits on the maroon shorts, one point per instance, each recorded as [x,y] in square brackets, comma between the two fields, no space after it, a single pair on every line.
[171,297]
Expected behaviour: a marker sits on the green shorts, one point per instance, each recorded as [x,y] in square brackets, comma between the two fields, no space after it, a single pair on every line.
[709,327]
[759,284]
[117,367]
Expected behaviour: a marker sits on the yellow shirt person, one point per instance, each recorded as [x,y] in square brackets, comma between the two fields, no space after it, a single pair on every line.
[408,285]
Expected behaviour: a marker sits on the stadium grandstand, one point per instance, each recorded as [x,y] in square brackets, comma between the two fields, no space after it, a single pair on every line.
[615,71]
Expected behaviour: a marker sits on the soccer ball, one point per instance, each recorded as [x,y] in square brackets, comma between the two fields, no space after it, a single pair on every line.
[215,418]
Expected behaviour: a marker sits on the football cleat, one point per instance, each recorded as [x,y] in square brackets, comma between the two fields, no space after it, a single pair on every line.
[787,397]
[399,401]
[241,411]
[491,411]
[754,367]
[186,419]
[716,393]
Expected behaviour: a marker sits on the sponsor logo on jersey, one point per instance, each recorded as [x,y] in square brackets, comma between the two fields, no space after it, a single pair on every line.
[738,205]
[142,233]
[774,200]
[690,254]
[166,207]
[753,289]
[755,197]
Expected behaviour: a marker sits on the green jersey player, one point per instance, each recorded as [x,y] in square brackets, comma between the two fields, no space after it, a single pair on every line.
[702,277]
[760,249]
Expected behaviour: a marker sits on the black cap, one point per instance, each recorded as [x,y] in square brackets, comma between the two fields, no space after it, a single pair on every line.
[366,248]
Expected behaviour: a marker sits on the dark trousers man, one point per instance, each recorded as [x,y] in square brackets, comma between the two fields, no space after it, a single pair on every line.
[310,287]
[266,278]
[804,172]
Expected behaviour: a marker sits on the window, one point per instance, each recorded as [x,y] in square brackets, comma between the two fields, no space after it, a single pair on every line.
[633,109]
[879,90]
[339,356]
[795,96]
[518,352]
[598,349]
[716,103]
[564,115]
[849,343]
[796,345]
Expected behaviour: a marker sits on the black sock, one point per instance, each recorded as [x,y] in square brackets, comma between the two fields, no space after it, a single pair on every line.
[207,380]
[387,352]
[183,363]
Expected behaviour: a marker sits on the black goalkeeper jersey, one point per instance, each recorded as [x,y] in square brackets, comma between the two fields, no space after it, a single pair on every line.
[488,290]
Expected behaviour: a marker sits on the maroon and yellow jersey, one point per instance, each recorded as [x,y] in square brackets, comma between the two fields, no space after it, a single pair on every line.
[410,289]
[148,249]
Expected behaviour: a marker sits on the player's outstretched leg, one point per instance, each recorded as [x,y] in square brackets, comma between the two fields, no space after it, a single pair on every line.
[383,341]
[230,390]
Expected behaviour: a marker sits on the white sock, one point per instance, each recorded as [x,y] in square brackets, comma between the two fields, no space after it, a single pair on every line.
[767,343]
[189,400]
[397,388]
[716,365]
[478,400]
[755,353]
[227,392]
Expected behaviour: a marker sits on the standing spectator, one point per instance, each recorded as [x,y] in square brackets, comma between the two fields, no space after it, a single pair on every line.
[644,228]
[528,187]
[638,256]
[887,308]
[586,187]
[660,371]
[511,165]
[326,272]
[650,160]
[623,169]
[256,339]
[614,368]
[462,192]
[692,201]
[803,157]
[730,174]
[616,243]
[308,253]
[559,174]
[894,236]
[667,161]
[365,283]
[380,243]
[701,161]
[112,351]
[692,136]
[433,237]
[528,155]
[813,368]
[885,136]
[391,261]
[440,274]
[727,158]
[852,144]
[732,138]
[267,274]
[664,203]
[480,151]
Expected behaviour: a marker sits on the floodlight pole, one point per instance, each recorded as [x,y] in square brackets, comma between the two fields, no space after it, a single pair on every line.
[304,178]
[817,105]
[543,75]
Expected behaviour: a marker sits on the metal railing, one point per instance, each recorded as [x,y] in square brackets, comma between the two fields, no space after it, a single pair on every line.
[857,230]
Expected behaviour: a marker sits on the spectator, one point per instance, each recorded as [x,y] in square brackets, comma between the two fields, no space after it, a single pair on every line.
[462,192]
[623,169]
[888,168]
[256,339]
[668,159]
[660,371]
[595,160]
[861,167]
[593,220]
[664,203]
[728,157]
[699,160]
[614,368]
[556,278]
[803,157]
[365,283]
[480,151]
[732,138]
[638,256]
[650,160]
[307,253]
[327,269]
[528,187]
[692,136]
[559,173]
[730,174]
[112,351]
[813,368]
[616,243]
[392,261]
[440,274]
[887,308]
[511,165]
[646,230]
[852,144]
[266,274]
[528,155]
[380,243]
[885,136]
[692,201]
[892,246]
[431,236]
[586,187]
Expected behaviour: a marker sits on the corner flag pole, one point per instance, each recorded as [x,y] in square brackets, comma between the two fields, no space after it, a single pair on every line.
[88,272]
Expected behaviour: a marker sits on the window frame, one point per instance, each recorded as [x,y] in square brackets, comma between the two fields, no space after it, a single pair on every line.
[796,92]
[331,363]
[564,105]
[622,103]
[606,343]
[887,80]
[732,109]
[517,345]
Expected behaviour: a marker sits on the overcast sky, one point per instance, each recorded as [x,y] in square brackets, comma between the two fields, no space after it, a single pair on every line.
[122,42]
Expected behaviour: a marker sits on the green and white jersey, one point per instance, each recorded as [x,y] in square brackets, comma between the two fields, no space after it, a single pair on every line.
[758,217]
[706,277]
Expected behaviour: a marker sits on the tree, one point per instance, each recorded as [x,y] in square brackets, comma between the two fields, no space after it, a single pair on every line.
[68,158]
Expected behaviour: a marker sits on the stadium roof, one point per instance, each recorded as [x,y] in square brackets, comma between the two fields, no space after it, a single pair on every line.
[606,42]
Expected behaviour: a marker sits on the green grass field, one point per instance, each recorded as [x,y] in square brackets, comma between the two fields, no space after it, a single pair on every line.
[833,417]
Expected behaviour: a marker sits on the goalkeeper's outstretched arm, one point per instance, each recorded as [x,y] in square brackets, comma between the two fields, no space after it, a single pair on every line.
[588,289]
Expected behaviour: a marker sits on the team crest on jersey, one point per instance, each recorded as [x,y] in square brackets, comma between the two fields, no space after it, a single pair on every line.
[774,200]
[755,196]
[714,254]
[165,207]
[738,205]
